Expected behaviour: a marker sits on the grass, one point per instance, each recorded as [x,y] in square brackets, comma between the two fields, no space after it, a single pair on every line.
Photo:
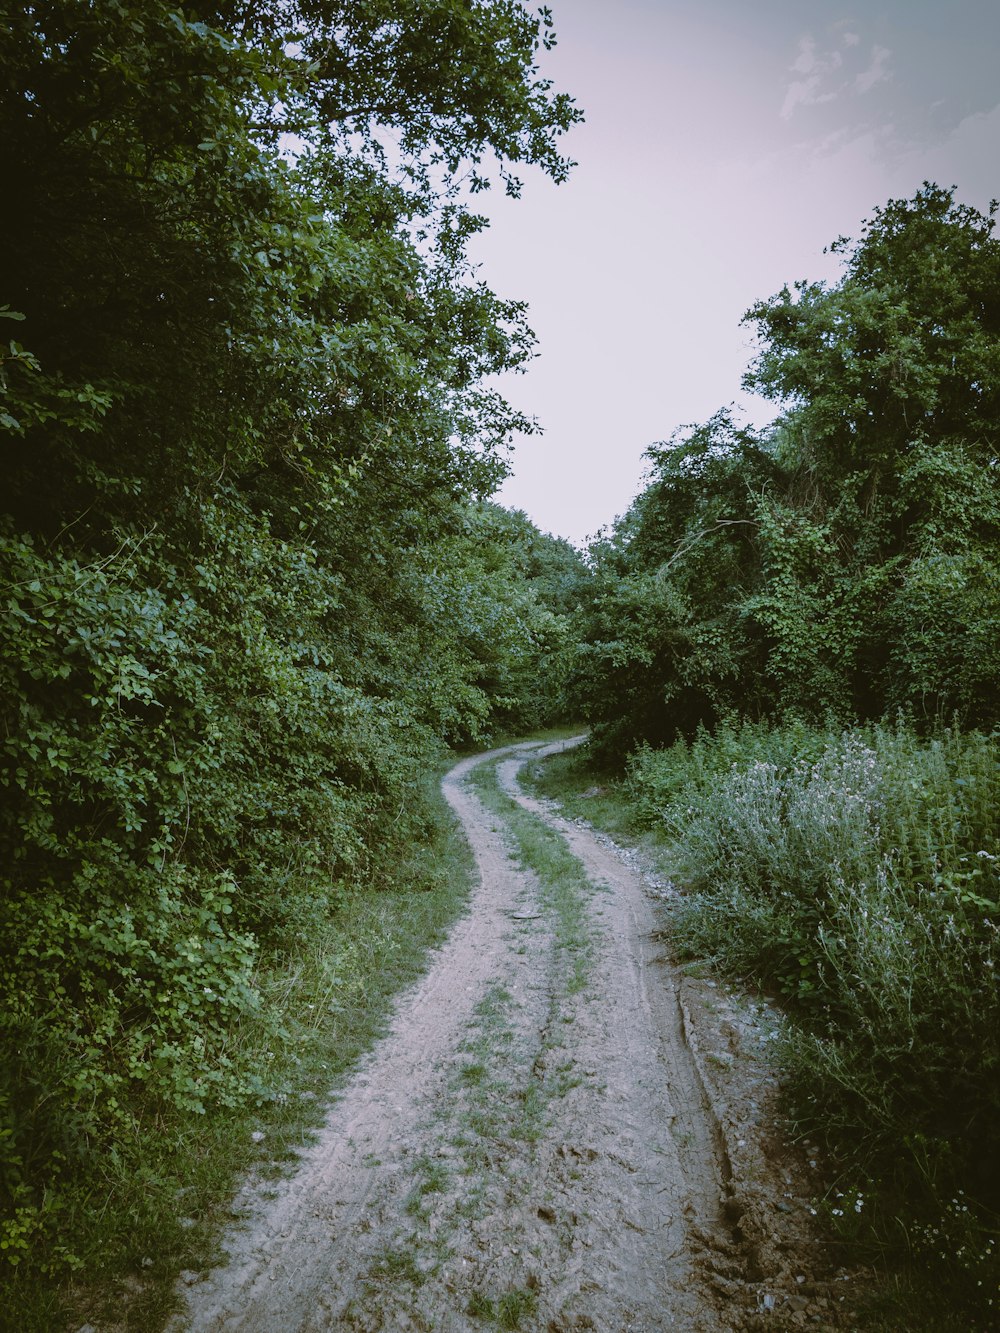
[484,1085]
[855,874]
[585,793]
[500,1098]
[164,1195]
[499,1108]
[564,888]
[488,1112]
[432,1178]
[507,1310]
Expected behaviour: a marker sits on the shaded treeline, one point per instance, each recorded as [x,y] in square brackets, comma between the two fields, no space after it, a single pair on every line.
[792,642]
[841,563]
[250,577]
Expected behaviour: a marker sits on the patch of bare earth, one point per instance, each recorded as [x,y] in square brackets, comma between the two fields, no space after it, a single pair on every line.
[525,1150]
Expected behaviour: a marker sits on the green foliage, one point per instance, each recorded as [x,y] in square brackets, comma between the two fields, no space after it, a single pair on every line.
[765,592]
[667,639]
[841,563]
[522,587]
[858,874]
[248,584]
[321,1002]
[505,1311]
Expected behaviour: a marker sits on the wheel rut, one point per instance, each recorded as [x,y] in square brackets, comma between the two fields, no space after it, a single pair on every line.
[522,1149]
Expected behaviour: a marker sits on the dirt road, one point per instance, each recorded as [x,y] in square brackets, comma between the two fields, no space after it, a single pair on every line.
[559,1132]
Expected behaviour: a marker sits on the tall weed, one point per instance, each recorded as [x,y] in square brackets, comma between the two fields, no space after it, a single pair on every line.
[856,873]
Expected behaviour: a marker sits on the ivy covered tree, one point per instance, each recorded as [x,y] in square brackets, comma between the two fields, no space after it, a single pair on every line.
[243,405]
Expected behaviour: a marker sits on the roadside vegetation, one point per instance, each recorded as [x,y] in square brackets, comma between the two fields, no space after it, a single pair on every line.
[159,1200]
[788,657]
[254,588]
[252,583]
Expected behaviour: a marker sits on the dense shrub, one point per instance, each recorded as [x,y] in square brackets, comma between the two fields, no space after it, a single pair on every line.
[840,563]
[858,875]
[244,597]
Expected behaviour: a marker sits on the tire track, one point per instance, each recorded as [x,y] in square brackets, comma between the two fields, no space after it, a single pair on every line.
[513,1148]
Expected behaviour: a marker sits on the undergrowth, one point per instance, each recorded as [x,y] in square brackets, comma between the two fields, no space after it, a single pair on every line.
[855,874]
[154,1204]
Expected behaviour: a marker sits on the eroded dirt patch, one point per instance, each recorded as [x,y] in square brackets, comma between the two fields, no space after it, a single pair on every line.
[539,1143]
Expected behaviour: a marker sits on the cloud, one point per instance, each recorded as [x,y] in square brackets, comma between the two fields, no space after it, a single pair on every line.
[814,68]
[805,62]
[809,63]
[877,71]
[803,93]
[824,76]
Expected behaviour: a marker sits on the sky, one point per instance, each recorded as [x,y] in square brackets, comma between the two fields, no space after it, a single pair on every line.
[727,143]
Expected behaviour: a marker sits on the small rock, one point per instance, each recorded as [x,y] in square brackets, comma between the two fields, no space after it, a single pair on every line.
[147,1263]
[186,1223]
[797,1303]
[189,1277]
[257,1136]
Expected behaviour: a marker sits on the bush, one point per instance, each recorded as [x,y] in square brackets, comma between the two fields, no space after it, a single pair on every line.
[857,875]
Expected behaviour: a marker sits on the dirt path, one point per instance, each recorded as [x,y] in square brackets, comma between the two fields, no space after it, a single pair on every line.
[538,1141]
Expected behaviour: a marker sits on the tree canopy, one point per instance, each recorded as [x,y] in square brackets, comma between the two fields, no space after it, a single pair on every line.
[841,563]
[245,418]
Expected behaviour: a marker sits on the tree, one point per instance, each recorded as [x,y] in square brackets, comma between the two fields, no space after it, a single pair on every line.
[843,562]
[893,450]
[243,401]
[667,642]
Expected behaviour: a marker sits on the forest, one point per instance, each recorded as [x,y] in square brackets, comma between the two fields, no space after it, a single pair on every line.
[252,580]
[255,592]
[790,643]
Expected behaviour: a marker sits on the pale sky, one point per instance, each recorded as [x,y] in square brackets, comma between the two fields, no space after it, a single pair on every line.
[727,143]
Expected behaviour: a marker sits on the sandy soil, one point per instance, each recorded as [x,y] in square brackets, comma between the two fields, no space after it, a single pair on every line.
[525,1151]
